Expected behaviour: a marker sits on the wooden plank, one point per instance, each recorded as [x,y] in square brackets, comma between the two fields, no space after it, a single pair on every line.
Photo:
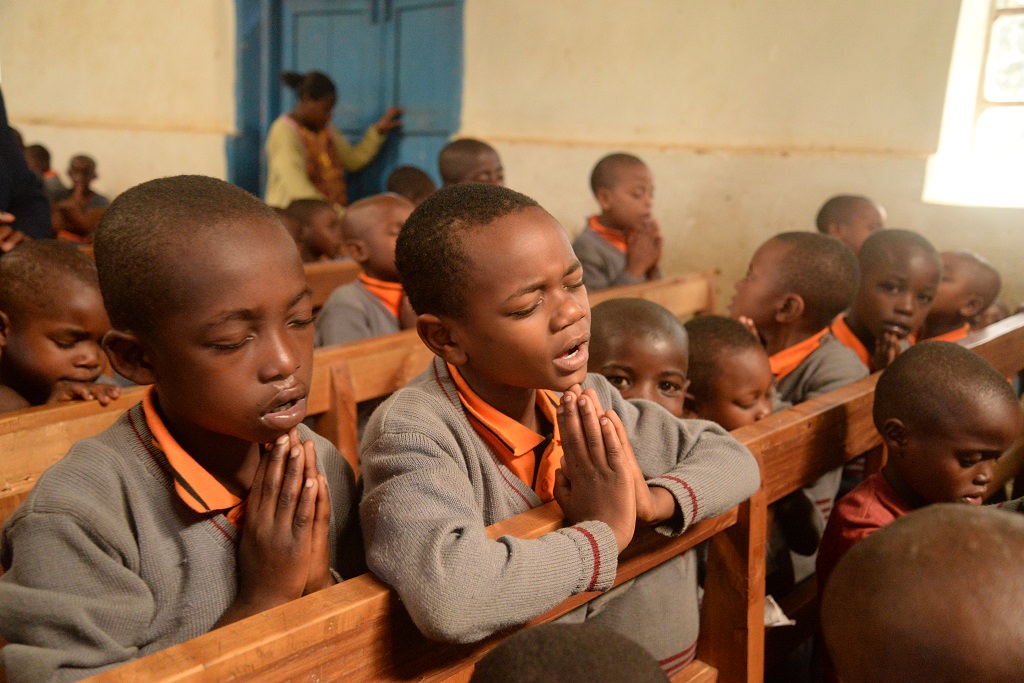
[684,295]
[326,276]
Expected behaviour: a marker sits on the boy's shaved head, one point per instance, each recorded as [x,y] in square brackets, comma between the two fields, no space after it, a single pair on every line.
[876,252]
[931,382]
[368,214]
[635,318]
[838,209]
[411,182]
[36,271]
[459,156]
[935,596]
[303,210]
[146,237]
[605,173]
[429,254]
[822,270]
[984,280]
[711,338]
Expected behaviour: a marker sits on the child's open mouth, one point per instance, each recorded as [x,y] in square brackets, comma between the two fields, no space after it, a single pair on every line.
[573,358]
[285,415]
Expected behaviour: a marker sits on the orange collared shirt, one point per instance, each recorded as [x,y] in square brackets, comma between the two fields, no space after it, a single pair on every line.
[196,487]
[389,293]
[513,443]
[951,336]
[842,332]
[789,359]
[616,238]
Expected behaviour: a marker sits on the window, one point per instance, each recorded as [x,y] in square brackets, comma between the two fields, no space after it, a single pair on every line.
[980,160]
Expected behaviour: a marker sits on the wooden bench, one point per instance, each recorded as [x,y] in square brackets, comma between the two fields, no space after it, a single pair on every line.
[684,295]
[326,276]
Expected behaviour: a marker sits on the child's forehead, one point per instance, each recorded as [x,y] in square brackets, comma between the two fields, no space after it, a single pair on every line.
[901,256]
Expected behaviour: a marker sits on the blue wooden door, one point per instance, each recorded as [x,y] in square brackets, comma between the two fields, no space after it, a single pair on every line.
[378,53]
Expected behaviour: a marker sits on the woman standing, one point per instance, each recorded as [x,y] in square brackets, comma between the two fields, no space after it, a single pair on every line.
[306,155]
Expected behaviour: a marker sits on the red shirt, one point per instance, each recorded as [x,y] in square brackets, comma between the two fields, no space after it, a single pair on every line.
[858,514]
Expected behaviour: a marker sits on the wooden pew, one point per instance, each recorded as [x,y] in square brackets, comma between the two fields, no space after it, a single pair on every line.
[326,276]
[684,295]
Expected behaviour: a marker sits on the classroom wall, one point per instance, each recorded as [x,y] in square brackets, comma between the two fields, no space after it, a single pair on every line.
[749,112]
[144,86]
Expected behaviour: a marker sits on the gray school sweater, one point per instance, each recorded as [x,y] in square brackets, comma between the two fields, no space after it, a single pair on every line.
[432,487]
[604,266]
[831,366]
[351,313]
[104,563]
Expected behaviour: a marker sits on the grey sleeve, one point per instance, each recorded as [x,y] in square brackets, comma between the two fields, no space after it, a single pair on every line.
[703,466]
[341,322]
[425,536]
[72,604]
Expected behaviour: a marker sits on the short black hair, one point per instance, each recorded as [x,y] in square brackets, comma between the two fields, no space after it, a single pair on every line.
[31,274]
[877,248]
[931,382]
[314,85]
[303,210]
[411,182]
[566,653]
[429,255]
[838,209]
[454,157]
[633,317]
[822,270]
[714,339]
[145,237]
[38,153]
[606,171]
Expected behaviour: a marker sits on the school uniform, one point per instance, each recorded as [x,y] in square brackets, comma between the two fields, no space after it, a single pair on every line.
[953,335]
[811,368]
[127,546]
[840,329]
[439,466]
[362,309]
[602,253]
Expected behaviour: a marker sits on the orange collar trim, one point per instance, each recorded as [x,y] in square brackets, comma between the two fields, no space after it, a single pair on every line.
[389,293]
[841,331]
[199,489]
[951,336]
[513,443]
[616,238]
[789,359]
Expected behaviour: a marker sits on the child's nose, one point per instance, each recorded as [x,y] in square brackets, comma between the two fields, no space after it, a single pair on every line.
[282,358]
[89,356]
[570,311]
[983,474]
[763,410]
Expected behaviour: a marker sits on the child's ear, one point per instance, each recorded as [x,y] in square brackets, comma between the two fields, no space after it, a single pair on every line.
[790,309]
[129,356]
[972,307]
[436,333]
[603,196]
[357,250]
[894,434]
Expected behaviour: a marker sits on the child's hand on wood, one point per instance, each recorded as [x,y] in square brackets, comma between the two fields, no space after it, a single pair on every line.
[68,390]
[595,481]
